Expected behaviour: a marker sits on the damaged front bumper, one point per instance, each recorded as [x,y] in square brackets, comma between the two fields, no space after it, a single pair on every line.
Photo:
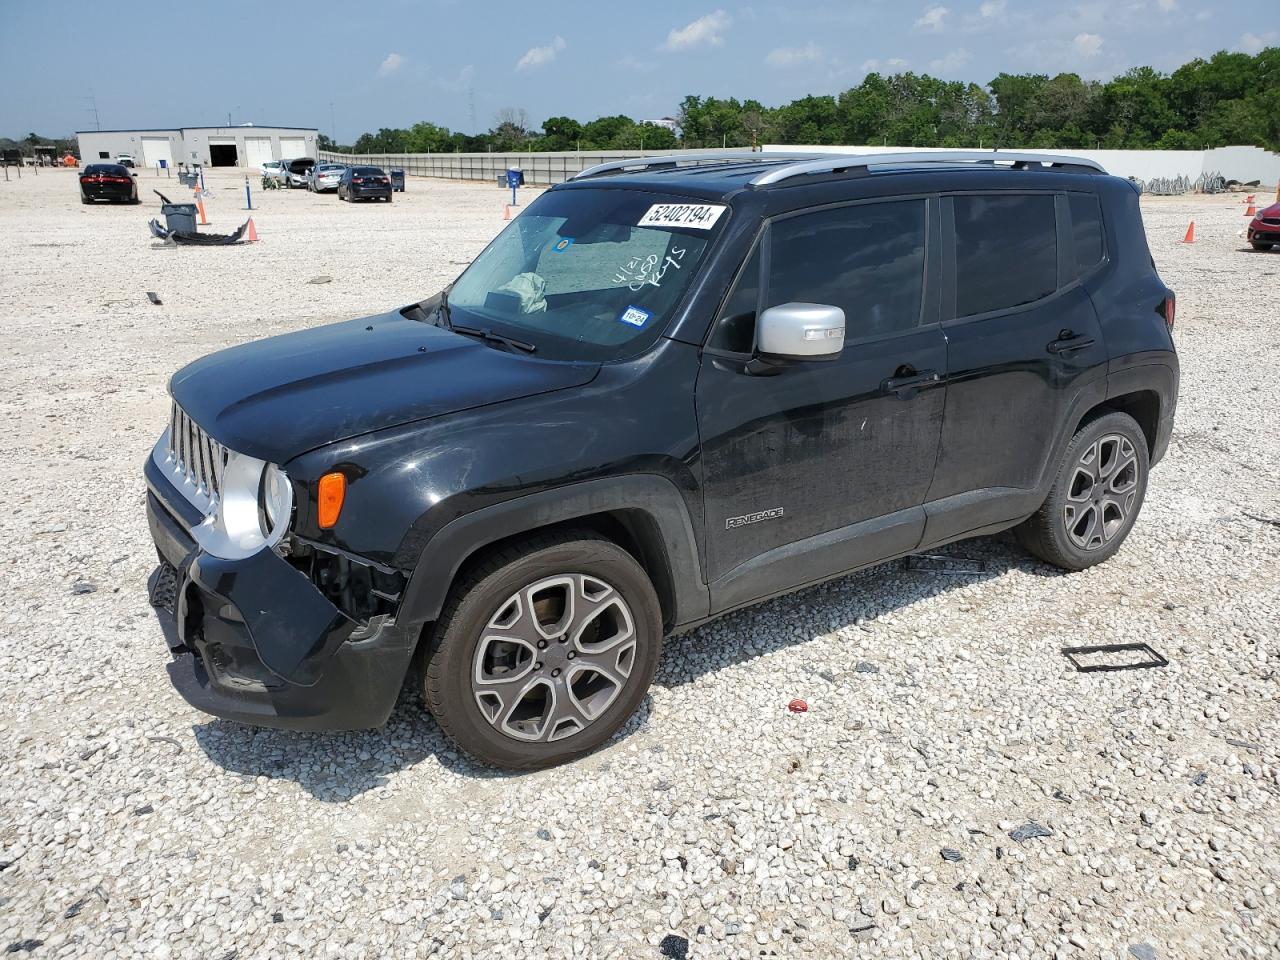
[257,641]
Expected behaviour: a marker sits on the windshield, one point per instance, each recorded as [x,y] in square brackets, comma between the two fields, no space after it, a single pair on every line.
[587,274]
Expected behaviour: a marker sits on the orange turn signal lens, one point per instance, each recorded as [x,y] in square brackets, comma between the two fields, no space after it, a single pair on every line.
[333,489]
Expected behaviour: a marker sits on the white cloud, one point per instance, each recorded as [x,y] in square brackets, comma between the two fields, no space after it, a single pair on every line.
[390,65]
[540,56]
[459,83]
[636,64]
[1167,5]
[790,56]
[708,30]
[1252,43]
[873,65]
[992,8]
[932,18]
[1086,44]
[951,62]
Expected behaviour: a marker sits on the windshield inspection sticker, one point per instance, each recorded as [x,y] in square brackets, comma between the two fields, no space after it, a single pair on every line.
[695,216]
[634,316]
[561,245]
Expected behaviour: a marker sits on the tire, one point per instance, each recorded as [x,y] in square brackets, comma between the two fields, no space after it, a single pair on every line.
[85,200]
[1260,246]
[534,723]
[1103,477]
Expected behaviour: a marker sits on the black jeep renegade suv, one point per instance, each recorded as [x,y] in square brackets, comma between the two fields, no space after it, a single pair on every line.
[665,391]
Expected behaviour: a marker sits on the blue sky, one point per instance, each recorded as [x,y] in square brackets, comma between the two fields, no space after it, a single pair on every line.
[457,62]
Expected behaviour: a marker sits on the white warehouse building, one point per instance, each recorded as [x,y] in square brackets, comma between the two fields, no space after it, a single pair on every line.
[239,146]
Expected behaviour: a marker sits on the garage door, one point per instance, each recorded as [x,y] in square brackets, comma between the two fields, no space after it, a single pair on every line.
[292,147]
[257,151]
[155,149]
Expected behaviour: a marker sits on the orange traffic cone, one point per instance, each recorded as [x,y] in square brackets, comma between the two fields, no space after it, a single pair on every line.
[1251,211]
[252,233]
[200,207]
[1191,233]
[1250,198]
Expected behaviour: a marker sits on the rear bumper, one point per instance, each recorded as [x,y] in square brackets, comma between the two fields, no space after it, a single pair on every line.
[363,191]
[211,613]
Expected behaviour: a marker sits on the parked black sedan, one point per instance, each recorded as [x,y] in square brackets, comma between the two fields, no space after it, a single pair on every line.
[107,181]
[364,183]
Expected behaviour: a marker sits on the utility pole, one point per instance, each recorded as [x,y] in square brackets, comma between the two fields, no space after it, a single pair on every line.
[93,108]
[333,126]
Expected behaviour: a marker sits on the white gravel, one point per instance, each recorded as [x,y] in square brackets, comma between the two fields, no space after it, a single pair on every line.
[942,716]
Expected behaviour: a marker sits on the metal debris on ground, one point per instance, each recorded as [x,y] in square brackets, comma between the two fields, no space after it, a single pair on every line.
[944,563]
[320,280]
[1125,652]
[1029,831]
[952,855]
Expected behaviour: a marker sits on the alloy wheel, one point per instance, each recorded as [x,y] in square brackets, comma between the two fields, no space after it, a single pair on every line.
[1102,492]
[554,657]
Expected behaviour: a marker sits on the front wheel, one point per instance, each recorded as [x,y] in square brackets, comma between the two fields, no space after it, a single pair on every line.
[1096,497]
[1260,246]
[543,651]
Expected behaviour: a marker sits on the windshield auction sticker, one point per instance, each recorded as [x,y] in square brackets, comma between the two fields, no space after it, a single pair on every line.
[693,216]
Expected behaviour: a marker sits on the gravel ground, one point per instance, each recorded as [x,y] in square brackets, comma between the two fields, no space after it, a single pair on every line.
[890,820]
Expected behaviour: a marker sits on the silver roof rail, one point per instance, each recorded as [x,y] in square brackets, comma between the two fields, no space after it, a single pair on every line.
[830,163]
[673,160]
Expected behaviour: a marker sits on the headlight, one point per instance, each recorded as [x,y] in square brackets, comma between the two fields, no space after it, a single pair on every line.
[277,499]
[255,504]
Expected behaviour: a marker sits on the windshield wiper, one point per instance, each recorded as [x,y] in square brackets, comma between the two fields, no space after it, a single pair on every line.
[488,335]
[443,310]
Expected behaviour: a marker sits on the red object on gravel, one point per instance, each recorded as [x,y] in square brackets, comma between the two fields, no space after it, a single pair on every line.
[798,706]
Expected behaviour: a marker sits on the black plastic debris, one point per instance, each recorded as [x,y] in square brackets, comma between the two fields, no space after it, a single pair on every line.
[544,833]
[75,908]
[320,280]
[865,666]
[1029,831]
[945,563]
[154,298]
[81,587]
[674,946]
[1199,779]
[1114,656]
[23,946]
[951,855]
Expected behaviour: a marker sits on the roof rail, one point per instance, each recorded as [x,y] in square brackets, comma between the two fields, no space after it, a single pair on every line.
[834,162]
[673,160]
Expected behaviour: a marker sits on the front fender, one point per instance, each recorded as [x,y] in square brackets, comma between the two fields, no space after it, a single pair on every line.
[654,496]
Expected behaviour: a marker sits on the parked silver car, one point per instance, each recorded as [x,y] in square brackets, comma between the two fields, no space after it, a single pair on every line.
[296,171]
[324,177]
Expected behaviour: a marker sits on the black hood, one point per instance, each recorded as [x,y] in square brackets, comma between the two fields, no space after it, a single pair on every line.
[277,398]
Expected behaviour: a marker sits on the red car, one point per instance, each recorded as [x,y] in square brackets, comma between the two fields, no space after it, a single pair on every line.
[1264,229]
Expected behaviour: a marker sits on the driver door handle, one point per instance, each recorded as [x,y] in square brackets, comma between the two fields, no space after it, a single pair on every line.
[911,381]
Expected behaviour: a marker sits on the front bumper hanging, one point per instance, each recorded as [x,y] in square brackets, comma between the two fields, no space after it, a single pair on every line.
[255,640]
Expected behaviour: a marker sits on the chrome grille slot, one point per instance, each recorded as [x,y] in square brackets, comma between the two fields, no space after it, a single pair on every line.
[194,461]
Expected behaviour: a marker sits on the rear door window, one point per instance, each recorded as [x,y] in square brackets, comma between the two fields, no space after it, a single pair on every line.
[1006,251]
[1086,231]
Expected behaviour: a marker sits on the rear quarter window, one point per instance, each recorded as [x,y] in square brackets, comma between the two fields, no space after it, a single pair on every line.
[1086,231]
[1006,251]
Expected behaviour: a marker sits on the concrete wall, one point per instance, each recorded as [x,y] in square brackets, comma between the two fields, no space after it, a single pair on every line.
[191,144]
[540,168]
[1234,163]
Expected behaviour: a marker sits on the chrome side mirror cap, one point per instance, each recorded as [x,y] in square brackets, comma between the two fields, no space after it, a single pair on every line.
[801,331]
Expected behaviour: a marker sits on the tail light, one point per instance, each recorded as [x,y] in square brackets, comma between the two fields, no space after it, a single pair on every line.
[1168,310]
[357,179]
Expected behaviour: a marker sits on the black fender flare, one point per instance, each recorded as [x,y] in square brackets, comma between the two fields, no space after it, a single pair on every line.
[653,495]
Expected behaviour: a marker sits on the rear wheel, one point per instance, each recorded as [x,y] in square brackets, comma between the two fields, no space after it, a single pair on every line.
[85,200]
[1096,497]
[543,651]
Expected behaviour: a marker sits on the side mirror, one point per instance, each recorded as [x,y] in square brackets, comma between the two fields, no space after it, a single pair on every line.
[800,331]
